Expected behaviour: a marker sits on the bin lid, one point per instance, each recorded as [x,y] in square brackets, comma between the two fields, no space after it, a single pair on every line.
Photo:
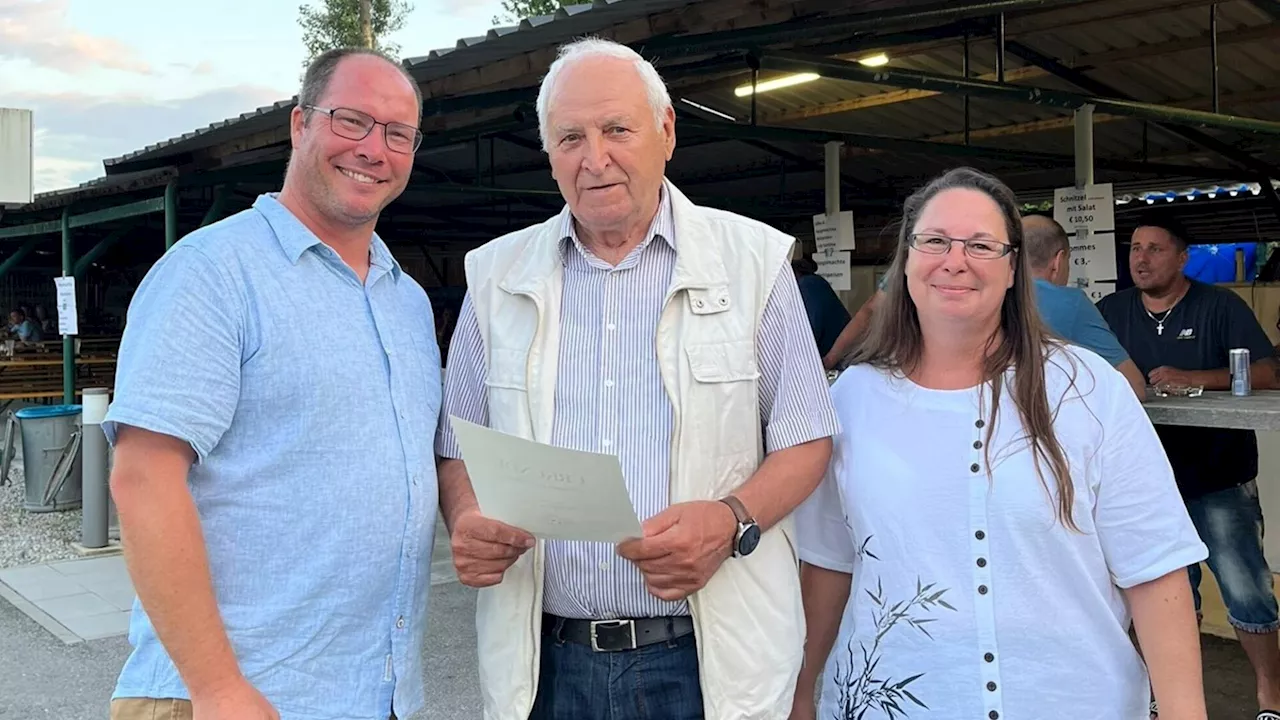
[46,411]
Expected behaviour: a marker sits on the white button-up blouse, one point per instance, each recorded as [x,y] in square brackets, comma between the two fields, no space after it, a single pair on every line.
[968,600]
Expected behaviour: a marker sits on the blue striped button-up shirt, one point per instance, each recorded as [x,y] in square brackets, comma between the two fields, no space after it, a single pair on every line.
[610,399]
[309,398]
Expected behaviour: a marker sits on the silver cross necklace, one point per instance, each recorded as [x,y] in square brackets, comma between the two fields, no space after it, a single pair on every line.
[1160,321]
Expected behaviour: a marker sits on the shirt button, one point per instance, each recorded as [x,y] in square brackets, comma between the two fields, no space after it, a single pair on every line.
[982,589]
[982,562]
[979,424]
[991,686]
[606,442]
[977,444]
[611,326]
[980,535]
[604,565]
[608,383]
[974,467]
[400,622]
[989,657]
[993,715]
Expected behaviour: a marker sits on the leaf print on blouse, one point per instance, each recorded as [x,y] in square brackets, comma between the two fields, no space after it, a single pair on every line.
[865,691]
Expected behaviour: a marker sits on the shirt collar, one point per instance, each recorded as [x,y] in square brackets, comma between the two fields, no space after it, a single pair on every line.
[663,226]
[295,238]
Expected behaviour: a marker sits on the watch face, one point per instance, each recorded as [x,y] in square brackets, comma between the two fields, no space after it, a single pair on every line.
[750,538]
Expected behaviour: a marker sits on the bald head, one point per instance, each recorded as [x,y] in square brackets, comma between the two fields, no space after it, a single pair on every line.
[1047,248]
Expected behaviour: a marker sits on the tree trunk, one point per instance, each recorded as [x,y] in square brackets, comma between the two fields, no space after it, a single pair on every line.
[366,23]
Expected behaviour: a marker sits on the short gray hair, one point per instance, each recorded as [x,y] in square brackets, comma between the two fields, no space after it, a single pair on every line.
[1044,238]
[315,82]
[655,88]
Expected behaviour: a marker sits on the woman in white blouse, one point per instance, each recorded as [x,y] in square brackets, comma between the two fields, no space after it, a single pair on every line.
[998,508]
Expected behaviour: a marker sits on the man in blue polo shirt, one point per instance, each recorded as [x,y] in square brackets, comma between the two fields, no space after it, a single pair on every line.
[274,472]
[1066,311]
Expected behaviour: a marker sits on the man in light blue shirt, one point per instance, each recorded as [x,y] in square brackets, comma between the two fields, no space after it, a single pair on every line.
[1067,311]
[274,476]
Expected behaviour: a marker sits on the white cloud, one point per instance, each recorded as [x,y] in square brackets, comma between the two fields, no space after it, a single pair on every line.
[37,31]
[75,132]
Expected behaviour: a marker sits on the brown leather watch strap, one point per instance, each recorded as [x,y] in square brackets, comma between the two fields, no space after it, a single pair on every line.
[739,510]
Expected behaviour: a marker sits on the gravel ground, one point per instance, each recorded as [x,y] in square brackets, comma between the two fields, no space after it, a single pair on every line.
[28,538]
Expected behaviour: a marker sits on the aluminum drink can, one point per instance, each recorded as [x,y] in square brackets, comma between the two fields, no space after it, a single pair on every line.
[1240,382]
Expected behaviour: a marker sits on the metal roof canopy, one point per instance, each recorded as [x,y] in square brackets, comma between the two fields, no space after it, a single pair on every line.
[481,170]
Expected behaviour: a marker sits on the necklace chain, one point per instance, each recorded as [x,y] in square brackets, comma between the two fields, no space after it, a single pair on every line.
[1160,322]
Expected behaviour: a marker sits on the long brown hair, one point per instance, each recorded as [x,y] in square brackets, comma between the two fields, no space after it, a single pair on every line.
[893,341]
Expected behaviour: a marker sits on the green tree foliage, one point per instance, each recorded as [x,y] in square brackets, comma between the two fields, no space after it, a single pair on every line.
[328,24]
[513,11]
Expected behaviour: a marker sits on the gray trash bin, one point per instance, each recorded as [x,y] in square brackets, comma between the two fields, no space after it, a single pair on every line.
[51,457]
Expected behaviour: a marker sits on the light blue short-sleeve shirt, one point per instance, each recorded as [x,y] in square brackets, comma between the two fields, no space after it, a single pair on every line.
[311,400]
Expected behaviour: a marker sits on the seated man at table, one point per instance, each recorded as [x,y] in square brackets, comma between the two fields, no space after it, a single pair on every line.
[1179,331]
[22,327]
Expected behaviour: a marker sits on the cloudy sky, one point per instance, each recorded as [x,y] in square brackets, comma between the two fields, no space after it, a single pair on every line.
[106,77]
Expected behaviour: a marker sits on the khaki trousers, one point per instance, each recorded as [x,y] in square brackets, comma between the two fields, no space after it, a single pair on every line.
[149,709]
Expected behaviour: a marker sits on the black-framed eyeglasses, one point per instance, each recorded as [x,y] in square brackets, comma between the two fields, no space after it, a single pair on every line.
[355,125]
[976,248]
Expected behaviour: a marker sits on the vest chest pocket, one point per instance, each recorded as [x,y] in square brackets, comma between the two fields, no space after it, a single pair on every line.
[724,401]
[724,362]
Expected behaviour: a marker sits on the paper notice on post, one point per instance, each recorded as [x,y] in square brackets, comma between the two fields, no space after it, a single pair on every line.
[66,304]
[550,492]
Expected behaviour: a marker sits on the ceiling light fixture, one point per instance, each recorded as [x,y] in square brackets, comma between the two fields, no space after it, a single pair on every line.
[877,60]
[776,83]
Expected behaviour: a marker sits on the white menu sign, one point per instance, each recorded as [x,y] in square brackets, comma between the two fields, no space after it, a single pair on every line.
[833,232]
[1088,215]
[67,323]
[836,268]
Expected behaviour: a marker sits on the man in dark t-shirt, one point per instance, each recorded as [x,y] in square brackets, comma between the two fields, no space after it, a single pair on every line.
[827,315]
[1179,331]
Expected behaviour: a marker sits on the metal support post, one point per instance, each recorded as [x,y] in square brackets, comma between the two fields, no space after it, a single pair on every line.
[1084,145]
[68,342]
[1000,37]
[170,214]
[217,206]
[966,72]
[96,494]
[832,168]
[1213,53]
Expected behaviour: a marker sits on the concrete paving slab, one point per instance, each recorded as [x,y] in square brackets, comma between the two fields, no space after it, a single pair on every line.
[40,582]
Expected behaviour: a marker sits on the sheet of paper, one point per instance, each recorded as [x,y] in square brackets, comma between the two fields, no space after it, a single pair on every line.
[549,492]
[66,303]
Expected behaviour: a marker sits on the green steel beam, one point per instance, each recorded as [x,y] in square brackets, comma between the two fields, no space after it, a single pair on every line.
[170,214]
[40,228]
[18,255]
[855,72]
[68,343]
[734,131]
[120,212]
[216,208]
[83,263]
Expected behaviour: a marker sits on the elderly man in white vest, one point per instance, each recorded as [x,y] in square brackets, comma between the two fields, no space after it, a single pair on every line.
[673,336]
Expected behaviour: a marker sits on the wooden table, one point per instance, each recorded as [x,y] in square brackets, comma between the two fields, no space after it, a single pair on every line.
[1217,409]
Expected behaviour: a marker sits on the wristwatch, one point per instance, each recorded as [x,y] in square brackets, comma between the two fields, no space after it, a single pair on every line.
[747,537]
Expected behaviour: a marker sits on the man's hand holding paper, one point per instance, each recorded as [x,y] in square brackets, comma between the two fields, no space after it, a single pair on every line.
[682,547]
[484,548]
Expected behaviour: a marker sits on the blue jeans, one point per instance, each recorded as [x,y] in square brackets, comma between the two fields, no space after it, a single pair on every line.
[1230,524]
[656,682]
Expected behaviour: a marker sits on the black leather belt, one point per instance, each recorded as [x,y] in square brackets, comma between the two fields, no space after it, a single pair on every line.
[622,634]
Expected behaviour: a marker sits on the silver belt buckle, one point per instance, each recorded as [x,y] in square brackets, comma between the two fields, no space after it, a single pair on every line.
[612,623]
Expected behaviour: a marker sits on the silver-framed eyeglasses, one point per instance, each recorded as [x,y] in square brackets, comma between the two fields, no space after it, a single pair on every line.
[355,125]
[976,248]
